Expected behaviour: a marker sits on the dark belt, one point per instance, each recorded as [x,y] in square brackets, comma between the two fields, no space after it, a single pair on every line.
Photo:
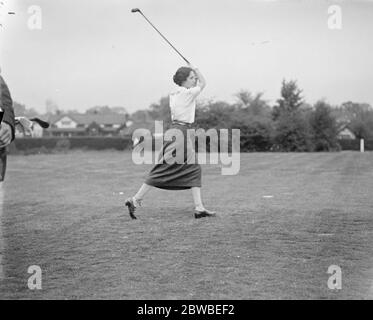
[181,123]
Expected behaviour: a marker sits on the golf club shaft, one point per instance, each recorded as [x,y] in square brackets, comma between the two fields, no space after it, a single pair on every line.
[164,38]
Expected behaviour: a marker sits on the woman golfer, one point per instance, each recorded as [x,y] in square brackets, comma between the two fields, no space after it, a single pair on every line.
[185,174]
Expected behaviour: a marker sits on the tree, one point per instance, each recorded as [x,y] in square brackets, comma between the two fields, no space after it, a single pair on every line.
[51,107]
[252,105]
[99,110]
[290,101]
[292,130]
[214,114]
[140,116]
[252,115]
[354,110]
[20,110]
[256,133]
[161,110]
[359,117]
[120,110]
[324,127]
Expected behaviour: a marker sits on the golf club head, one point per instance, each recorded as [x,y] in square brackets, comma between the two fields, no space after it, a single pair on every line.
[41,123]
[135,10]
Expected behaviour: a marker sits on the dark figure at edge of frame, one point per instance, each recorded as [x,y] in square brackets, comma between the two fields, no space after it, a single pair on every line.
[185,175]
[6,126]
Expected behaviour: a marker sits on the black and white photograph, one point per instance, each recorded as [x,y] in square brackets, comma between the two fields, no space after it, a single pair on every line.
[206,152]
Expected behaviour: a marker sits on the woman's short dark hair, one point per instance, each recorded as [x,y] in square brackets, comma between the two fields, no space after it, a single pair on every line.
[181,75]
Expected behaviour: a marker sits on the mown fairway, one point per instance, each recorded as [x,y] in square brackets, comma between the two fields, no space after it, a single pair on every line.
[65,213]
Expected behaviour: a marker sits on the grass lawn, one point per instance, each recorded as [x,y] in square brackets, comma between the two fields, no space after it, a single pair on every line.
[283,220]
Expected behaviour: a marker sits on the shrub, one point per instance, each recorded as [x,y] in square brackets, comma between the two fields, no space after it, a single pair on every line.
[292,132]
[324,128]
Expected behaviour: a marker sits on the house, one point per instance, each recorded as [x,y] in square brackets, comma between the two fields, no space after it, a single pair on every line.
[78,125]
[346,133]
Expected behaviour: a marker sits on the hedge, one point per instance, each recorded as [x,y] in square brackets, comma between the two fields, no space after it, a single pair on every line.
[355,144]
[50,144]
[90,143]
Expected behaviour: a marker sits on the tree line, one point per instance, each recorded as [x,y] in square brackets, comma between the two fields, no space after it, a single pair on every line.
[290,125]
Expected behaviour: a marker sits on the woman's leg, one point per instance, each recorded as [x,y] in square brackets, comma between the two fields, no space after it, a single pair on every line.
[200,210]
[144,189]
[196,191]
[134,202]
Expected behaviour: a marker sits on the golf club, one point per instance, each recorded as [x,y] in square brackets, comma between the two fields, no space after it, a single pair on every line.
[138,10]
[40,122]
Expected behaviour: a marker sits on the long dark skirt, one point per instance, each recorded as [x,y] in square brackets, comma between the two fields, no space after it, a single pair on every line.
[181,175]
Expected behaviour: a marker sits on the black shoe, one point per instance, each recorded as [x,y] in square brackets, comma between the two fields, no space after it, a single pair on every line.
[131,207]
[203,214]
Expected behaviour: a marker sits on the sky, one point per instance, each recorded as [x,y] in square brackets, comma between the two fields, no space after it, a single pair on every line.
[96,52]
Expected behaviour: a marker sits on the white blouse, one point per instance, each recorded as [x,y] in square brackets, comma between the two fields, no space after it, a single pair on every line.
[183,104]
